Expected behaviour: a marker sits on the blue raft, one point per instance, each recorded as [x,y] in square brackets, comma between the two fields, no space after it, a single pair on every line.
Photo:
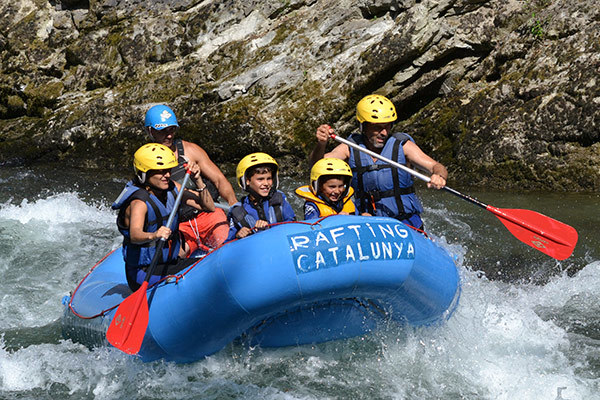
[292,284]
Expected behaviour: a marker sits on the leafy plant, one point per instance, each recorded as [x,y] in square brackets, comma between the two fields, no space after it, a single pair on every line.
[537,28]
[536,23]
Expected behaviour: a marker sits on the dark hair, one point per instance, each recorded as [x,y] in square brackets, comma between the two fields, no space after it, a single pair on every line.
[259,169]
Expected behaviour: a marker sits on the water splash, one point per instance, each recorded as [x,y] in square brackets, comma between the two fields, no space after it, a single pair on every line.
[505,340]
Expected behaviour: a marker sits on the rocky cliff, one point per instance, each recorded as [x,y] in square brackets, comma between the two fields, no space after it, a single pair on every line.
[503,92]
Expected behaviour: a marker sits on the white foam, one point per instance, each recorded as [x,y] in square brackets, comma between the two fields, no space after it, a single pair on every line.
[505,341]
[58,208]
[47,246]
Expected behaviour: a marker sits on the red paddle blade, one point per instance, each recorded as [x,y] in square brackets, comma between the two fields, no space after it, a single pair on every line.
[128,327]
[543,233]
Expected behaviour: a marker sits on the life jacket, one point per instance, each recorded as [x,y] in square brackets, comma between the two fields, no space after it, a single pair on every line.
[327,207]
[138,255]
[245,213]
[187,212]
[382,189]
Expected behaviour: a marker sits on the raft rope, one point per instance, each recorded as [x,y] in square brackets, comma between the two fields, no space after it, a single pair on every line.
[177,277]
[72,294]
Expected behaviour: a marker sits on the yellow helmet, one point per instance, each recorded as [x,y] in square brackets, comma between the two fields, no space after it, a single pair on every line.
[327,167]
[152,156]
[252,160]
[376,109]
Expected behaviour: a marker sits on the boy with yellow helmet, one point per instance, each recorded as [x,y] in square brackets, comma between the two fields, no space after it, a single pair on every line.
[329,191]
[381,189]
[257,174]
[144,207]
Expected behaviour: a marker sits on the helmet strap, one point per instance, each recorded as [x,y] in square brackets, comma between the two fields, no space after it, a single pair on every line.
[257,196]
[315,186]
[141,176]
[253,193]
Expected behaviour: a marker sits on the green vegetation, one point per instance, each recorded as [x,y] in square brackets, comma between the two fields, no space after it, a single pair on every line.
[537,23]
[537,29]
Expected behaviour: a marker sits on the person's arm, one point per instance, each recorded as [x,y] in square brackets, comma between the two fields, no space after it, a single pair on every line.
[210,171]
[341,151]
[137,217]
[200,199]
[439,173]
[236,231]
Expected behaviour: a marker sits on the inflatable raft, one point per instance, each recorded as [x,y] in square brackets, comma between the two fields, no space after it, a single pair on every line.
[292,284]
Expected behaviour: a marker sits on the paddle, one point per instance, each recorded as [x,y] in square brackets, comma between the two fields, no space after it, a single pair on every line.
[128,327]
[543,233]
[224,207]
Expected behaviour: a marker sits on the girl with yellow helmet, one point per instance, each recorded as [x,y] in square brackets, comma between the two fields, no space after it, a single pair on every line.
[144,207]
[329,192]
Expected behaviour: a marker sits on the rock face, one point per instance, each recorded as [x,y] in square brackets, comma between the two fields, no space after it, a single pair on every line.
[503,92]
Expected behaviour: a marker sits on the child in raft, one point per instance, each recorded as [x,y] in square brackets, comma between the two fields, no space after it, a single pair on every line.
[329,192]
[144,207]
[258,174]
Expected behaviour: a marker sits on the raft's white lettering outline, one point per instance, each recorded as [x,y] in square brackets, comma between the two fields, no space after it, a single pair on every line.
[319,259]
[388,230]
[386,248]
[321,237]
[333,251]
[298,263]
[297,243]
[399,248]
[350,253]
[403,233]
[376,257]
[333,233]
[355,229]
[411,250]
[360,253]
[371,229]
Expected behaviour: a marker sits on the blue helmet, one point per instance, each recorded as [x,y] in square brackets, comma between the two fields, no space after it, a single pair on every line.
[160,117]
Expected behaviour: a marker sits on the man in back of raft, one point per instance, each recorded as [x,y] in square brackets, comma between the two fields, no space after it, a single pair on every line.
[380,188]
[201,230]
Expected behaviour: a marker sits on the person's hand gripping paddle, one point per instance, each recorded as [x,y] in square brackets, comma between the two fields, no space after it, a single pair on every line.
[128,327]
[543,233]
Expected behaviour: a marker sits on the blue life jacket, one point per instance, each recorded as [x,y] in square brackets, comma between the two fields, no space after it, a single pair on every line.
[245,214]
[382,189]
[140,255]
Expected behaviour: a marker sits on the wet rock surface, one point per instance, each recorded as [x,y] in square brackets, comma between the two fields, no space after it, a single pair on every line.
[503,92]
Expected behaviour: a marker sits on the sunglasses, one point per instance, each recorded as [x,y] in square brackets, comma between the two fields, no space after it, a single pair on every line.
[166,131]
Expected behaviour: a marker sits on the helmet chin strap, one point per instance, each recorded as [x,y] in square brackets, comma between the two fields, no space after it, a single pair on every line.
[141,176]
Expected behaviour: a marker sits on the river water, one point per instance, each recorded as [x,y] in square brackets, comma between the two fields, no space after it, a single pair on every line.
[527,326]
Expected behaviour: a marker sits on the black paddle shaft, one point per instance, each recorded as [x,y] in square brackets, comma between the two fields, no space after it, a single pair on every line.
[162,241]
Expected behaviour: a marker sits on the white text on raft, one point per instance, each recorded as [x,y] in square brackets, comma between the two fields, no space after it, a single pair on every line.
[332,247]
